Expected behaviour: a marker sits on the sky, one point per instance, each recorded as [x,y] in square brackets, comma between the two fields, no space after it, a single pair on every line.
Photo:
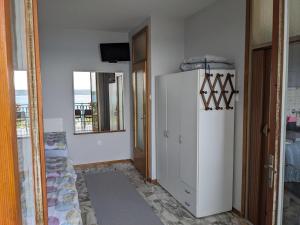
[82,81]
[20,80]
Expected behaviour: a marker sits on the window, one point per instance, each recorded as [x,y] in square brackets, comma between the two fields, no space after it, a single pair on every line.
[98,102]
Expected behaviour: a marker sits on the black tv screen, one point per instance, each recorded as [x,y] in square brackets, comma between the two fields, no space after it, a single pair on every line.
[115,52]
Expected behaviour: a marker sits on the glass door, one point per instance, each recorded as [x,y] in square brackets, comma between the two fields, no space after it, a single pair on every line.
[23,120]
[140,81]
[140,117]
[290,156]
[139,77]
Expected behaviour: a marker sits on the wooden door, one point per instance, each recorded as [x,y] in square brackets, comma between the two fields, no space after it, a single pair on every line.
[141,90]
[140,117]
[262,139]
[10,210]
[23,197]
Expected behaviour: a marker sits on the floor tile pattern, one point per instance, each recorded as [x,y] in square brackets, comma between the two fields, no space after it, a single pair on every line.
[164,205]
[291,209]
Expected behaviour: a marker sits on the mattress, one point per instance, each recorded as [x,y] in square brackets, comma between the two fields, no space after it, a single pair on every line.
[63,204]
[62,196]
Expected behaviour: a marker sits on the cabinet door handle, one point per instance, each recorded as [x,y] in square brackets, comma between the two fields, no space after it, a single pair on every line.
[187,204]
[180,139]
[188,192]
[166,134]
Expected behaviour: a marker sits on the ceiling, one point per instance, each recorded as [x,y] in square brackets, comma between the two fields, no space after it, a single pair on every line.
[112,15]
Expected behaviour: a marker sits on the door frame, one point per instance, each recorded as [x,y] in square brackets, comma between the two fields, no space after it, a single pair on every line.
[144,63]
[288,40]
[37,129]
[276,71]
[10,196]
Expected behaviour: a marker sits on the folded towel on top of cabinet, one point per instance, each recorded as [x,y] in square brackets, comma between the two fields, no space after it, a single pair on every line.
[206,62]
[197,66]
[207,59]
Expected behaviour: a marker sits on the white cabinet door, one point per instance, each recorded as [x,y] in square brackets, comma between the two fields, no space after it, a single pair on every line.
[173,128]
[188,128]
[215,161]
[161,130]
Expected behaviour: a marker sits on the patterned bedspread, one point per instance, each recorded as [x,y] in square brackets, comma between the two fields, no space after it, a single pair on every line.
[63,204]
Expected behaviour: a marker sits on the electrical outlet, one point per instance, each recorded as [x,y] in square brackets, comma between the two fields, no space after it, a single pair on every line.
[99,143]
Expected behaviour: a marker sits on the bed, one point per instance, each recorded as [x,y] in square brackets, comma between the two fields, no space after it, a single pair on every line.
[63,204]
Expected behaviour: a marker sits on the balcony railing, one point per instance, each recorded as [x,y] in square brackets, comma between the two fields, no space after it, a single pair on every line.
[23,120]
[85,119]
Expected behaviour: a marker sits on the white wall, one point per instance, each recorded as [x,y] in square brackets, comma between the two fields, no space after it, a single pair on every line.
[167,44]
[220,30]
[167,52]
[64,51]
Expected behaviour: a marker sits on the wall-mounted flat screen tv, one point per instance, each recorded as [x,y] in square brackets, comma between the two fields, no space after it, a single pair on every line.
[115,52]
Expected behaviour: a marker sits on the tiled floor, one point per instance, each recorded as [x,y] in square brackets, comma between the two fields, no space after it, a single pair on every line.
[291,209]
[164,205]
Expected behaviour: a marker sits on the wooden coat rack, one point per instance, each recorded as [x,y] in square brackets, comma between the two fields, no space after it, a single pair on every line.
[211,94]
